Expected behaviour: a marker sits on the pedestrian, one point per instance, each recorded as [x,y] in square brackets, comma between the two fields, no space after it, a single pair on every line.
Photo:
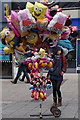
[24,75]
[22,68]
[56,75]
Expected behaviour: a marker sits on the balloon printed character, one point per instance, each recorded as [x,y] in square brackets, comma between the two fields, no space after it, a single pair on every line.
[12,40]
[39,10]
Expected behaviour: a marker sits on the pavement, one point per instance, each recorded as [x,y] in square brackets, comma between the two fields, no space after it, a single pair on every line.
[17,101]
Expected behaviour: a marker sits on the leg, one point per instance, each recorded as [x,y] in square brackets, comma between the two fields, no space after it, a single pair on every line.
[18,75]
[54,92]
[58,88]
[26,75]
[59,93]
[23,77]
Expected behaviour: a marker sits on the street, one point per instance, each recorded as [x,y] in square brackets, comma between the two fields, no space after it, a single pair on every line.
[17,103]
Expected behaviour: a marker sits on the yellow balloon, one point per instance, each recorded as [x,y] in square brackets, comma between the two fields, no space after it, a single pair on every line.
[50,64]
[32,67]
[29,64]
[43,64]
[36,64]
[41,61]
[30,6]
[41,95]
[8,50]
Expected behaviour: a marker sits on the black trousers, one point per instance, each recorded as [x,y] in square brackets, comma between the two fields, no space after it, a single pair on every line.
[56,87]
[21,69]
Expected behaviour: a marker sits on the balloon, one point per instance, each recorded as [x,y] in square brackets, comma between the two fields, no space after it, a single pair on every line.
[42,24]
[41,95]
[32,37]
[50,64]
[26,19]
[8,50]
[36,95]
[30,6]
[39,10]
[36,65]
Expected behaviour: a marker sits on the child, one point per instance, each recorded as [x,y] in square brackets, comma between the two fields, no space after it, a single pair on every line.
[56,75]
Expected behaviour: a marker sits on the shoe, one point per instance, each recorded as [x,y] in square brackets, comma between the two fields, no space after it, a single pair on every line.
[54,101]
[27,82]
[13,82]
[59,102]
[21,80]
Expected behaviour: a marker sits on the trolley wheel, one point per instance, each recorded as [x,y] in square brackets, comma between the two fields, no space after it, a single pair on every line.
[55,111]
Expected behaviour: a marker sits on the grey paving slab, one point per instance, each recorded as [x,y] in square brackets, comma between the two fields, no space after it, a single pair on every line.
[69,111]
[17,102]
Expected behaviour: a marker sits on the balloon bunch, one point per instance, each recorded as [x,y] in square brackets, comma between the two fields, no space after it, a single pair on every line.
[36,94]
[41,26]
[36,26]
[39,60]
[37,84]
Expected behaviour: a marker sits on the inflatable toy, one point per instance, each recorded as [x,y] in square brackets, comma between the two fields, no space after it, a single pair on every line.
[32,37]
[11,40]
[39,10]
[41,52]
[8,50]
[57,23]
[42,24]
[44,2]
[26,20]
[30,6]
[6,6]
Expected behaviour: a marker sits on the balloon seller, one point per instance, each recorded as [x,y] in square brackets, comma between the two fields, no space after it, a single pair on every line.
[40,26]
[56,74]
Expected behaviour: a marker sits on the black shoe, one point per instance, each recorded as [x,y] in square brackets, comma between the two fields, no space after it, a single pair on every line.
[21,80]
[27,82]
[13,82]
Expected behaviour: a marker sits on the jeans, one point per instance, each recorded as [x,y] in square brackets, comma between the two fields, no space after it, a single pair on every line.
[22,68]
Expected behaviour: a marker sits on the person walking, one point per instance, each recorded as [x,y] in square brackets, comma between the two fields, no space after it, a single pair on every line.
[22,68]
[56,74]
[24,75]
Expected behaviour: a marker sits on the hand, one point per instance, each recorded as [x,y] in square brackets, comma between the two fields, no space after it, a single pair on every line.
[62,73]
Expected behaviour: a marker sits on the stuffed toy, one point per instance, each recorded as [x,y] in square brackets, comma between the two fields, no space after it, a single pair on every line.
[11,40]
[39,10]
